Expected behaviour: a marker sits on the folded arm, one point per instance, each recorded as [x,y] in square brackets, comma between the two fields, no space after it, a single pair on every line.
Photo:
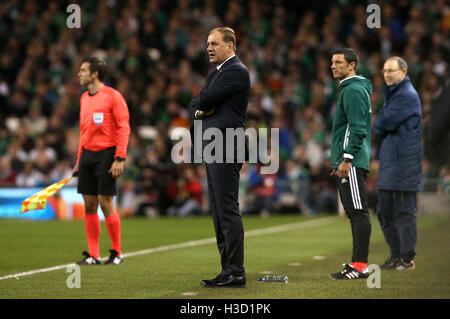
[230,82]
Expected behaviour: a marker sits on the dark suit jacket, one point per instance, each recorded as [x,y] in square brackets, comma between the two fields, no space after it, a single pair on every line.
[226,90]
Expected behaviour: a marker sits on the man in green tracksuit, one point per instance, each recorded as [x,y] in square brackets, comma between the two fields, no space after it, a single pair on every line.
[350,152]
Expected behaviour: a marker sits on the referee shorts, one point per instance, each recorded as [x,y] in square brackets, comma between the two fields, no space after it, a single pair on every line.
[93,176]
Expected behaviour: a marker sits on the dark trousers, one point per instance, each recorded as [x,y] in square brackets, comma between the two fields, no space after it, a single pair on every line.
[353,193]
[397,214]
[223,187]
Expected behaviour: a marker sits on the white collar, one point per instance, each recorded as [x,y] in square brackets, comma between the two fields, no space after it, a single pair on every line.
[353,76]
[220,65]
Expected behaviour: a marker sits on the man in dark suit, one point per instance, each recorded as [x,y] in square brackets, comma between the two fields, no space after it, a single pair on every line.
[222,105]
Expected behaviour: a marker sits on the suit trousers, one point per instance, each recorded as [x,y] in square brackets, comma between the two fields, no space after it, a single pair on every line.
[223,187]
[397,214]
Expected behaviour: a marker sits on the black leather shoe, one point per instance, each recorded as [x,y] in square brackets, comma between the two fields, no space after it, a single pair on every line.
[230,281]
[233,281]
[213,282]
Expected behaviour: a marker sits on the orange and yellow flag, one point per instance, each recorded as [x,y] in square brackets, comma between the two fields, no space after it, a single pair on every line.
[39,200]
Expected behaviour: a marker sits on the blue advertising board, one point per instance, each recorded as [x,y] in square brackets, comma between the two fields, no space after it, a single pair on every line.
[11,199]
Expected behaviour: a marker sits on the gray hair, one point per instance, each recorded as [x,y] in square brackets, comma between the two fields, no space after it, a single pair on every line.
[401,63]
[227,35]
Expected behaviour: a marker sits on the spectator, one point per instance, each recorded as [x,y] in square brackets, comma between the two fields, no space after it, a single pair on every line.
[4,137]
[262,187]
[29,176]
[324,189]
[186,194]
[36,120]
[17,156]
[7,175]
[444,181]
[62,170]
[54,136]
[147,193]
[155,50]
[42,152]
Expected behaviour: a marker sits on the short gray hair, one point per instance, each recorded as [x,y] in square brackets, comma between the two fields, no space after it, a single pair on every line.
[401,63]
[227,35]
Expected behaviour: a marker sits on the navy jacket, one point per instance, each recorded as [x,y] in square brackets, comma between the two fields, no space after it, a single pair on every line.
[399,124]
[227,90]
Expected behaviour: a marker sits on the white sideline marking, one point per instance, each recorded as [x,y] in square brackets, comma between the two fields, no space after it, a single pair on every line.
[193,243]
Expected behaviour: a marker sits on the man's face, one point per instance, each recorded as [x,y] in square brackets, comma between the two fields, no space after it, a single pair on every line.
[392,73]
[218,50]
[340,67]
[84,75]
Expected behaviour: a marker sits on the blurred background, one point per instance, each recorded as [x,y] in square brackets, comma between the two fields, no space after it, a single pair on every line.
[156,52]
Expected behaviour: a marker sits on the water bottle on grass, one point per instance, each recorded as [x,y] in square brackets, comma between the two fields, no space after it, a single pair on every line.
[278,278]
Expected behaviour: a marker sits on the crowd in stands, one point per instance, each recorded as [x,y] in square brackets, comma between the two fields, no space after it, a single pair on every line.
[156,53]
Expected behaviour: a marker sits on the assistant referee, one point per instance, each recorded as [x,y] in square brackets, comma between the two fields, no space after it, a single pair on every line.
[104,136]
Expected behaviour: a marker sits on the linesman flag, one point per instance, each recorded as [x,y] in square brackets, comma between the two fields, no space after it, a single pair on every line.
[39,200]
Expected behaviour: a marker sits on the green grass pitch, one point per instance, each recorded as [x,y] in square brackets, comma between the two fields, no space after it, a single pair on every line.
[306,249]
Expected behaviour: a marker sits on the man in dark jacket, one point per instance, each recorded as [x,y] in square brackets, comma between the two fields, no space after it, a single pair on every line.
[399,125]
[350,153]
[222,105]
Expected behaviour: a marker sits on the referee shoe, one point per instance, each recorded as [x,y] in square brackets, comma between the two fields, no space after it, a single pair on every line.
[89,260]
[349,273]
[114,258]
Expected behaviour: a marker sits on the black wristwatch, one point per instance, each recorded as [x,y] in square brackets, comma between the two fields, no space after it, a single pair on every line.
[119,159]
[347,160]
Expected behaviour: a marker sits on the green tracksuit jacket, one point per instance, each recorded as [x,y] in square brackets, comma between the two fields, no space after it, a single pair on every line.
[352,123]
